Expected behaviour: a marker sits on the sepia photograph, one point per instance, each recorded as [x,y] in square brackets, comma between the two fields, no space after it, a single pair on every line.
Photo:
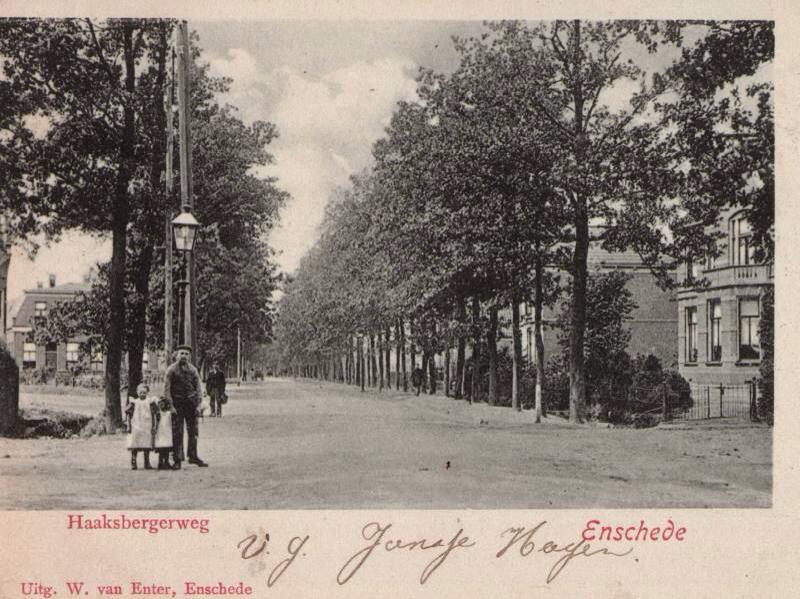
[254,264]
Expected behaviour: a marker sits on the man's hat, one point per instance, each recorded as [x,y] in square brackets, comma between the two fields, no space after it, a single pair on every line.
[186,347]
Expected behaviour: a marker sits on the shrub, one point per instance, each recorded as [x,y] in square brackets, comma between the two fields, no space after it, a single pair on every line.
[766,382]
[650,381]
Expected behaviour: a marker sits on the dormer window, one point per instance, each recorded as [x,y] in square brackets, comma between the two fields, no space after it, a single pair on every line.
[40,309]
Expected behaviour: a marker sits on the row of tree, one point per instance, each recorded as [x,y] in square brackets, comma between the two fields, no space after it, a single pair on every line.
[488,187]
[83,130]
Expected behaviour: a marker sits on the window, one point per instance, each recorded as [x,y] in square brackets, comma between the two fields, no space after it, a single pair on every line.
[28,355]
[742,245]
[692,270]
[749,316]
[691,334]
[714,328]
[97,361]
[40,309]
[72,353]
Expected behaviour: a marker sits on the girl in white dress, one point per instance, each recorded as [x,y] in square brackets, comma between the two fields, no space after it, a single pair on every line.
[141,411]
[163,437]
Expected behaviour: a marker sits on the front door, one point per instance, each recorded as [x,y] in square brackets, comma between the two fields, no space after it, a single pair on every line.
[50,355]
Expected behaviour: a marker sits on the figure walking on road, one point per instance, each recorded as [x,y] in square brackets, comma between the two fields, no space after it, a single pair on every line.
[215,387]
[417,378]
[182,388]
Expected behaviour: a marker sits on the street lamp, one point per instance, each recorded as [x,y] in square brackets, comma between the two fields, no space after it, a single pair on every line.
[184,231]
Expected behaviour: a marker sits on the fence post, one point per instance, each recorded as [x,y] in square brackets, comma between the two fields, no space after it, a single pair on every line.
[721,395]
[708,400]
[664,406]
[753,401]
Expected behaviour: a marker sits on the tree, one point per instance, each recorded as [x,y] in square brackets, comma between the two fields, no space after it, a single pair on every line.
[609,306]
[99,86]
[92,83]
[722,125]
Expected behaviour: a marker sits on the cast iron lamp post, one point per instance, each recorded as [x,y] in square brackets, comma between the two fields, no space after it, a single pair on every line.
[184,231]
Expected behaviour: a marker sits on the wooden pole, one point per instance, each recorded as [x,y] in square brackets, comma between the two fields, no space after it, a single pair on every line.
[184,124]
[168,105]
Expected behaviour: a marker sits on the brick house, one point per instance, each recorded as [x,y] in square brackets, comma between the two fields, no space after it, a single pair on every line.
[718,339]
[59,357]
[653,324]
[56,356]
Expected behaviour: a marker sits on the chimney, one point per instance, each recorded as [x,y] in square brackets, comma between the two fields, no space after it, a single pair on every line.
[39,285]
[52,280]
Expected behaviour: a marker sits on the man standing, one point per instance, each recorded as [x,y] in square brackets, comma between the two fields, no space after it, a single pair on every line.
[215,387]
[182,388]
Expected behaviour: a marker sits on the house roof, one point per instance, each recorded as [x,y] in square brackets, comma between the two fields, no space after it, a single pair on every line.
[601,257]
[66,288]
[51,295]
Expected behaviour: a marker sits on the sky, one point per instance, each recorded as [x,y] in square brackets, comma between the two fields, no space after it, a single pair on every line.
[329,86]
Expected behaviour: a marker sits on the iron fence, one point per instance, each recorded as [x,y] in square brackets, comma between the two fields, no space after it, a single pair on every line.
[717,401]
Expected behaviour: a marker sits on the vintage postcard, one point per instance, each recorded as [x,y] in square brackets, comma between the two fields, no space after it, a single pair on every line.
[388,300]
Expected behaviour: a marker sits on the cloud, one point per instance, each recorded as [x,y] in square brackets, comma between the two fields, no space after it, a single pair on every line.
[251,90]
[327,124]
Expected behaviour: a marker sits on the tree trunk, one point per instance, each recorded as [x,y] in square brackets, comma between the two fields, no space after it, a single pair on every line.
[388,357]
[361,361]
[120,215]
[403,354]
[447,369]
[347,363]
[138,316]
[516,352]
[425,359]
[432,373]
[580,256]
[432,360]
[461,352]
[373,366]
[413,351]
[399,350]
[354,360]
[358,362]
[537,332]
[380,361]
[578,319]
[491,348]
[475,395]
[150,229]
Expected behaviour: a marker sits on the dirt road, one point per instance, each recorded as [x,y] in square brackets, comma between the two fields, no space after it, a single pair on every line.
[284,444]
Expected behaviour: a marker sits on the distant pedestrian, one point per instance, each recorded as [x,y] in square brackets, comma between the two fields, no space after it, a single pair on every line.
[417,378]
[183,389]
[141,411]
[215,387]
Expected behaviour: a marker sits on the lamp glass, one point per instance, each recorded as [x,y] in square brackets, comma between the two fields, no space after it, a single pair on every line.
[184,229]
